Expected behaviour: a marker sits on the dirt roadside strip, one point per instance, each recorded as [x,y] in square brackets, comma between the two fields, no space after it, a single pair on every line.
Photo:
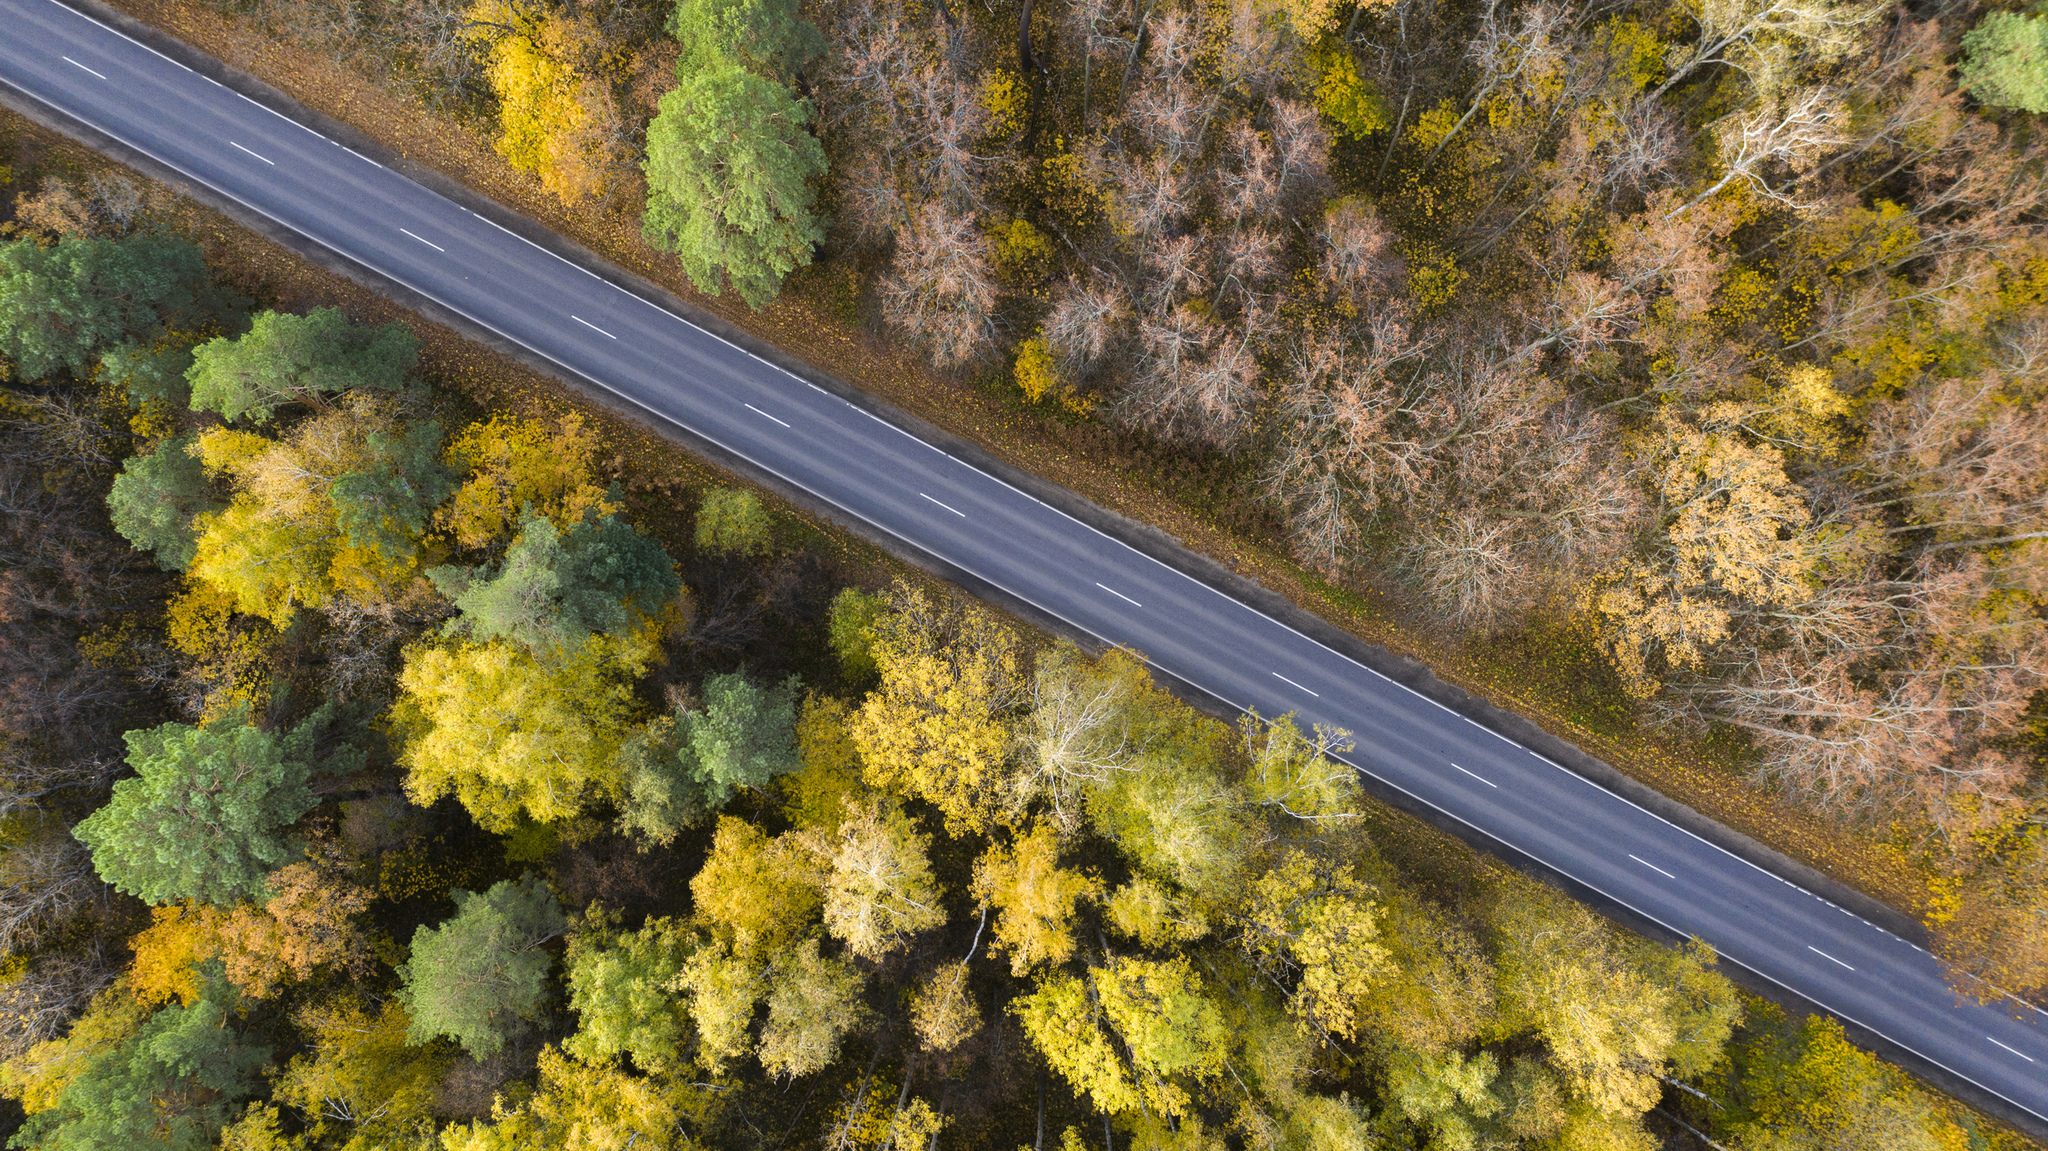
[1145,538]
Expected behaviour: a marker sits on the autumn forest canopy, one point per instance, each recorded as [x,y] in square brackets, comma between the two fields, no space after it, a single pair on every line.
[381,767]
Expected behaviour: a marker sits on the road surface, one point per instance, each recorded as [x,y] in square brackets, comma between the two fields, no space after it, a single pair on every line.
[873,471]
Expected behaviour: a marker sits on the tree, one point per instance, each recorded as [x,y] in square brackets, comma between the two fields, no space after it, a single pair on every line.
[61,305]
[829,775]
[553,590]
[337,506]
[2005,61]
[938,728]
[618,987]
[848,628]
[480,977]
[305,925]
[678,768]
[743,737]
[813,1002]
[769,36]
[285,359]
[1799,1085]
[173,1083]
[1130,1033]
[206,816]
[1034,899]
[361,1077]
[880,890]
[944,1014]
[940,290]
[512,464]
[586,1107]
[507,733]
[155,499]
[1611,1023]
[732,522]
[1310,923]
[553,75]
[1081,730]
[722,990]
[1296,774]
[729,165]
[758,894]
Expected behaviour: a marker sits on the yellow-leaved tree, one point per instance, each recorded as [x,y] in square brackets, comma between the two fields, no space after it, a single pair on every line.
[1034,898]
[511,463]
[939,725]
[1736,537]
[553,72]
[336,506]
[507,732]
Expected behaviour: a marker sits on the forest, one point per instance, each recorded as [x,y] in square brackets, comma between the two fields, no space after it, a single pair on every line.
[375,780]
[1711,329]
[383,770]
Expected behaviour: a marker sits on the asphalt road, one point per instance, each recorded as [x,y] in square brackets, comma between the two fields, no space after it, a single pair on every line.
[879,473]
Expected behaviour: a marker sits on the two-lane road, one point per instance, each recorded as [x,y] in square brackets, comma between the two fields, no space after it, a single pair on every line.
[873,471]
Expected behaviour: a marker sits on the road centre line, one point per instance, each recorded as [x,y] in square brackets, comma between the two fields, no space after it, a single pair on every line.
[954,510]
[258,155]
[1119,595]
[1284,626]
[423,240]
[1477,776]
[1826,956]
[1291,683]
[1652,866]
[2021,1054]
[593,327]
[76,64]
[764,415]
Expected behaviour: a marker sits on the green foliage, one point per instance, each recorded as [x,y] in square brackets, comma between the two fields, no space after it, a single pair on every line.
[383,504]
[2005,61]
[155,499]
[732,522]
[285,358]
[619,989]
[62,305]
[678,769]
[481,976]
[769,36]
[206,817]
[849,628]
[174,1084]
[742,737]
[149,372]
[729,169]
[553,591]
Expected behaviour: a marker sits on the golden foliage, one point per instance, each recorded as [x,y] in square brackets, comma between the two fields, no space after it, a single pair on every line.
[506,732]
[1034,898]
[938,726]
[512,463]
[816,794]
